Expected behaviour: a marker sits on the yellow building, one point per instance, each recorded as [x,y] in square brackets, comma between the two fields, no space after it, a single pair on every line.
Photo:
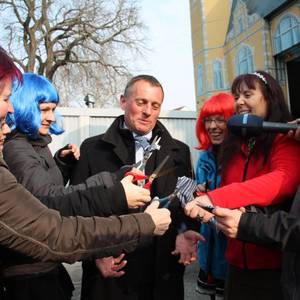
[232,37]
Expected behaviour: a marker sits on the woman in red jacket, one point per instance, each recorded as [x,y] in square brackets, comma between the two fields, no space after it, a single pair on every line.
[258,173]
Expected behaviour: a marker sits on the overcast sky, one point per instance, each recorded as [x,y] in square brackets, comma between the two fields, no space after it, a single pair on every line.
[170,58]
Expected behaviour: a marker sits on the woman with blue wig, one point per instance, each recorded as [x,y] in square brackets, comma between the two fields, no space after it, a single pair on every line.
[33,121]
[30,160]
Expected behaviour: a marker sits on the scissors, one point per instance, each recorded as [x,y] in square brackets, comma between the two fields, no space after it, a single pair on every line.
[165,201]
[147,154]
[157,173]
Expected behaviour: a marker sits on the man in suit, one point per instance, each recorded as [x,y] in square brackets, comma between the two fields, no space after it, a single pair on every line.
[153,272]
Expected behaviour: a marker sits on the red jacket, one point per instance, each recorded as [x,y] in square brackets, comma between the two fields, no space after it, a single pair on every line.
[274,182]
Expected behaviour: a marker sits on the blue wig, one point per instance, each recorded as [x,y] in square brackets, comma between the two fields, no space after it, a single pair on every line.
[26,100]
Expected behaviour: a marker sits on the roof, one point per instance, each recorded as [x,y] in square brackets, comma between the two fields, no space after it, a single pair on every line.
[261,7]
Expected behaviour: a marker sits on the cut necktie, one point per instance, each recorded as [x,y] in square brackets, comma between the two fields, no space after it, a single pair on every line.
[142,142]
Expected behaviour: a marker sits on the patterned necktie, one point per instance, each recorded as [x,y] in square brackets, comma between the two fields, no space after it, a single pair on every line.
[141,141]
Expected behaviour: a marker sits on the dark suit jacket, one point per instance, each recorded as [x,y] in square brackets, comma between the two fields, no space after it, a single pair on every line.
[153,266]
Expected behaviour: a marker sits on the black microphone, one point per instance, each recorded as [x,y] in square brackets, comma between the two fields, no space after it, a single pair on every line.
[247,125]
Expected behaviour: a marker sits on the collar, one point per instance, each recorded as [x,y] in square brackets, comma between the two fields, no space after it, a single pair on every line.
[148,136]
[41,140]
[118,126]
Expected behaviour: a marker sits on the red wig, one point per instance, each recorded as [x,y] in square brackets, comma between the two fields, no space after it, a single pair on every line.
[7,68]
[220,104]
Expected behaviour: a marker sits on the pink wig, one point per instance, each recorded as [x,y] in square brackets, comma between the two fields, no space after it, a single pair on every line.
[220,104]
[7,68]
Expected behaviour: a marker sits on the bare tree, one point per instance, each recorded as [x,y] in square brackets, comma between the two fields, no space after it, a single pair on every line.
[83,46]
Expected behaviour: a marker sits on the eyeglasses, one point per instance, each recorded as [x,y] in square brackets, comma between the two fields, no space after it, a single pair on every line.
[218,122]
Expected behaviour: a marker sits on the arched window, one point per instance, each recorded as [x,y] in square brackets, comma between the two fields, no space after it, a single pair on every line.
[287,34]
[244,61]
[200,80]
[218,75]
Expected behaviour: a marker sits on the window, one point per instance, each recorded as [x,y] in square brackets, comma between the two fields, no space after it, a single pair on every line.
[218,75]
[244,61]
[287,34]
[240,24]
[200,80]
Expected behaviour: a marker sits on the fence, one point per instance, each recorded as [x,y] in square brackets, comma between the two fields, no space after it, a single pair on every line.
[81,123]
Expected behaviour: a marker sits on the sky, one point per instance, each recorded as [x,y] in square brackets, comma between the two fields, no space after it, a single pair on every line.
[170,57]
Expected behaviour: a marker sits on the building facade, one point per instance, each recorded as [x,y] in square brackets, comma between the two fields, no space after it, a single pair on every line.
[233,37]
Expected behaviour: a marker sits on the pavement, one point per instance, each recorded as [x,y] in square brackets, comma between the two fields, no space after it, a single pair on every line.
[190,282]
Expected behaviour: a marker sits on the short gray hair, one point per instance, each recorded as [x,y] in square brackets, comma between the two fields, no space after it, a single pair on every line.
[148,78]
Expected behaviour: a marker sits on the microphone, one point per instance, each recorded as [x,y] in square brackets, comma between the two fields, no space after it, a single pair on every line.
[247,125]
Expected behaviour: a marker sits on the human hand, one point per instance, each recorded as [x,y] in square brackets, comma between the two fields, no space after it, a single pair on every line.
[136,196]
[228,220]
[160,216]
[72,150]
[295,134]
[186,246]
[201,188]
[111,267]
[193,209]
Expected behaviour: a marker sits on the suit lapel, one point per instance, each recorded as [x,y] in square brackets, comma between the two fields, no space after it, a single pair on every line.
[121,141]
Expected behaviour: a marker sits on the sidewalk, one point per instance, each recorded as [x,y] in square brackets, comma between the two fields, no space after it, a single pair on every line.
[190,278]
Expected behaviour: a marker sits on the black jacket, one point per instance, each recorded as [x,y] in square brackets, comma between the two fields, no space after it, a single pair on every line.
[152,265]
[280,230]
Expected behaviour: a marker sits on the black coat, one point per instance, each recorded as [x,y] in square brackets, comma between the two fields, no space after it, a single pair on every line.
[152,266]
[280,230]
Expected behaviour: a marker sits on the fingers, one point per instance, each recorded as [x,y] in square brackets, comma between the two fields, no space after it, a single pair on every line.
[137,171]
[118,259]
[127,179]
[195,211]
[75,150]
[71,150]
[160,216]
[192,210]
[242,209]
[228,220]
[220,212]
[136,196]
[153,205]
[117,268]
[111,267]
[227,230]
[185,258]
[201,188]
[194,236]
